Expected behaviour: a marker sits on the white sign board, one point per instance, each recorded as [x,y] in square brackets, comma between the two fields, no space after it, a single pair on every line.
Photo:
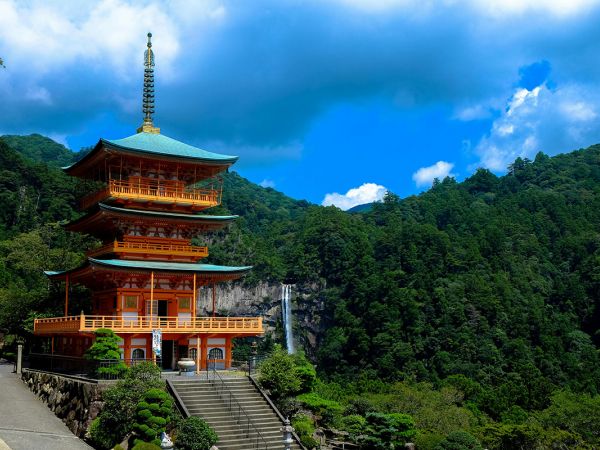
[157,342]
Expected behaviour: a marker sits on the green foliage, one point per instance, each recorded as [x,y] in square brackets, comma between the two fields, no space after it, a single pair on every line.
[529,436]
[576,414]
[40,149]
[305,429]
[145,446]
[477,301]
[278,374]
[120,401]
[326,410]
[101,438]
[153,413]
[305,371]
[384,431]
[195,434]
[106,347]
[459,440]
[353,424]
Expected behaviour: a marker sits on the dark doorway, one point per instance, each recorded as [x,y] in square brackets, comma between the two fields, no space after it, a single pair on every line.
[163,308]
[167,354]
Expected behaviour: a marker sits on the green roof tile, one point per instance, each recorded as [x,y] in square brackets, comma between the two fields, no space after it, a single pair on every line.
[199,217]
[170,266]
[164,145]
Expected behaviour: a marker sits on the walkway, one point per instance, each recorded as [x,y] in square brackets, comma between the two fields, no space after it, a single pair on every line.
[26,423]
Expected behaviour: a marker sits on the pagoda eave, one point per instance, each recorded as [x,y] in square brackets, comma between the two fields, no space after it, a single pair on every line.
[206,272]
[155,147]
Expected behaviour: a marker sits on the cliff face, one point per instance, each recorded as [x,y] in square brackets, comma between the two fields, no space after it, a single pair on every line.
[264,300]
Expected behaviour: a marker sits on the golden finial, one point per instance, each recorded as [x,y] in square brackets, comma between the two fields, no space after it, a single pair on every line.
[148,97]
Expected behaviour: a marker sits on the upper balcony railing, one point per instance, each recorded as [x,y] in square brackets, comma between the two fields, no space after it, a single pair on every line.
[145,324]
[156,191]
[152,248]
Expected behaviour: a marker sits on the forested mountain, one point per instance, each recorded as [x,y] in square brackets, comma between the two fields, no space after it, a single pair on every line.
[40,148]
[489,286]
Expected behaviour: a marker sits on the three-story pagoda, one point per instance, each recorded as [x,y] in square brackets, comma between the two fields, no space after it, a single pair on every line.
[146,276]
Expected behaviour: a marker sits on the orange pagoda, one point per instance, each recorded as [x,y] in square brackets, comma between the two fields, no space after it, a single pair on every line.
[146,276]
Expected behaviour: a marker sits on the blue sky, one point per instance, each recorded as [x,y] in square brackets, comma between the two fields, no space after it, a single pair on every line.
[333,101]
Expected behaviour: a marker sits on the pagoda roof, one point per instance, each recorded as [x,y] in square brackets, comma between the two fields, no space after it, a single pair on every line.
[151,213]
[154,145]
[103,211]
[156,266]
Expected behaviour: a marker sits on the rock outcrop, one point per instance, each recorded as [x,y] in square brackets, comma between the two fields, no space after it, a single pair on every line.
[264,300]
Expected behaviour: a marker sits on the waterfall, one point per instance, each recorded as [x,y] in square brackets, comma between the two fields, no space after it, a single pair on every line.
[286,313]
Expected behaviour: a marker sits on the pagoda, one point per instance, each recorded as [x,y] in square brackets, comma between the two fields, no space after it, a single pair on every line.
[146,275]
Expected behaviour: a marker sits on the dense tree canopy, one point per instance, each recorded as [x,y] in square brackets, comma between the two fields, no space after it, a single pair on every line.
[489,286]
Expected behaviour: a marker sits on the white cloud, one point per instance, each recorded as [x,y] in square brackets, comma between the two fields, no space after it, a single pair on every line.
[540,119]
[425,175]
[266,183]
[366,193]
[109,34]
[511,7]
[38,94]
[475,112]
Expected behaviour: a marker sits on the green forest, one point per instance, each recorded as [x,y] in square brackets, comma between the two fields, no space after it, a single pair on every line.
[466,316]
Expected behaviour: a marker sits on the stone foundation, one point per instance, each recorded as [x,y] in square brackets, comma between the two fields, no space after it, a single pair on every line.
[75,401]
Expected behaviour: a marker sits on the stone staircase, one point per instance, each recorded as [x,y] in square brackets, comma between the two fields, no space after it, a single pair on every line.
[202,399]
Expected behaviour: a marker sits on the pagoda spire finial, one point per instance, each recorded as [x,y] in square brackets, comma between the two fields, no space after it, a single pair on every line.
[148,97]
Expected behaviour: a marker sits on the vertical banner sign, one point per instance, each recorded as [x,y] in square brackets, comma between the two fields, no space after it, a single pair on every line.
[157,342]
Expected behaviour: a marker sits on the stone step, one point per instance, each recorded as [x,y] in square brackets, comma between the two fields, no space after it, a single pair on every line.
[210,401]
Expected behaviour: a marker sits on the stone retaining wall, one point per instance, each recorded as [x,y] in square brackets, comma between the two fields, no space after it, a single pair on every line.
[77,402]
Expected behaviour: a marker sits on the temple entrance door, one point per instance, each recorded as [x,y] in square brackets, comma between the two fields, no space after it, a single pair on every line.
[162,308]
[167,353]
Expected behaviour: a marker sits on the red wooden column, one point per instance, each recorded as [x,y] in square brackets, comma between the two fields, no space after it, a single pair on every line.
[204,352]
[228,353]
[127,348]
[198,356]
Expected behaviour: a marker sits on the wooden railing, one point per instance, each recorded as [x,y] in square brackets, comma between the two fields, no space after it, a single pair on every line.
[152,248]
[152,190]
[238,325]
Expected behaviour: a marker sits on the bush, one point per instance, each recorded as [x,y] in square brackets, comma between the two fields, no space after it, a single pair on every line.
[326,410]
[459,440]
[146,446]
[278,375]
[120,401]
[195,434]
[384,431]
[106,347]
[99,437]
[305,429]
[353,424]
[305,372]
[152,415]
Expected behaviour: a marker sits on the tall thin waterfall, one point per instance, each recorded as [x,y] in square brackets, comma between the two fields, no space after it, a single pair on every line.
[286,313]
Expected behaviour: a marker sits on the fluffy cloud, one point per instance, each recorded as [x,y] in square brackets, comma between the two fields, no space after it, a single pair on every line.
[540,119]
[266,183]
[257,75]
[366,193]
[425,175]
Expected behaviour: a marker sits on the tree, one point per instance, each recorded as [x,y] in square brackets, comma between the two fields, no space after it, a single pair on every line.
[195,434]
[459,440]
[278,374]
[106,349]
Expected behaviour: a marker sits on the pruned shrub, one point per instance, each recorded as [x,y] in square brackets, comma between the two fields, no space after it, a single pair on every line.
[195,434]
[106,348]
[152,415]
[459,440]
